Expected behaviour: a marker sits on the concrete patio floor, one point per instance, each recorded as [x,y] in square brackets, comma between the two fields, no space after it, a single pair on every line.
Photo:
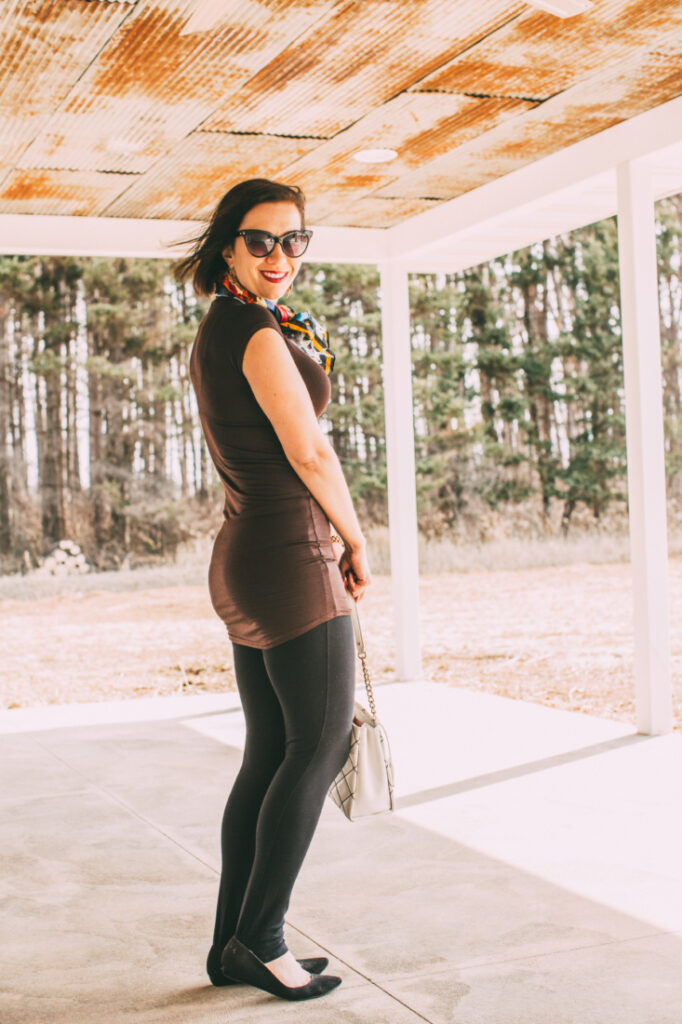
[532,873]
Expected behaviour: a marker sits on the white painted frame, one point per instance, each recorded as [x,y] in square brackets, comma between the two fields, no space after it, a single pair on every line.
[400,464]
[645,447]
[38,234]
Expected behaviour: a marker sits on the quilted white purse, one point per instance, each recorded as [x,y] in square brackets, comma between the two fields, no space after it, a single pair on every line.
[364,785]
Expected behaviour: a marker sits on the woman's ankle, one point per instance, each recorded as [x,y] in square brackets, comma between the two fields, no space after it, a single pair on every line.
[287,969]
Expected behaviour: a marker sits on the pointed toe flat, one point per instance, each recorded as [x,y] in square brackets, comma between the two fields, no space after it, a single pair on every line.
[239,964]
[311,964]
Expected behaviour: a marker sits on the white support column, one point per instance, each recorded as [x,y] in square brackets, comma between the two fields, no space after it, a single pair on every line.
[646,473]
[402,497]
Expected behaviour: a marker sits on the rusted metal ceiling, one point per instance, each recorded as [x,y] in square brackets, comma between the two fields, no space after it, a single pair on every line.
[44,49]
[536,56]
[187,183]
[154,83]
[153,108]
[379,211]
[72,193]
[621,91]
[358,57]
[414,125]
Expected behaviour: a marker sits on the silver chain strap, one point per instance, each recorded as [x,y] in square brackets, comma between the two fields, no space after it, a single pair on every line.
[360,644]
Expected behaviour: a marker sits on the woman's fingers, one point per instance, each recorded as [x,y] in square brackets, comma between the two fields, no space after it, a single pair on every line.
[355,571]
[356,576]
[356,588]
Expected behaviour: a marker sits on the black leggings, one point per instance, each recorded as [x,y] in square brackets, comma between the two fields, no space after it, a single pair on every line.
[298,704]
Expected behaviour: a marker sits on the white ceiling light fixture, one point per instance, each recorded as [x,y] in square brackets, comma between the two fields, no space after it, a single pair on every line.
[562,8]
[375,156]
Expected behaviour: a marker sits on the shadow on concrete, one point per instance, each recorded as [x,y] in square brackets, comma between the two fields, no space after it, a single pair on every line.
[110,858]
[491,778]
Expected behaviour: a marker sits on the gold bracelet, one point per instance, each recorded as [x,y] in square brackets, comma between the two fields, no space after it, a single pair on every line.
[336,539]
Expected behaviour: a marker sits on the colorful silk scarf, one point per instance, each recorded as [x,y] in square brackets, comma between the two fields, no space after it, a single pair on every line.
[301,328]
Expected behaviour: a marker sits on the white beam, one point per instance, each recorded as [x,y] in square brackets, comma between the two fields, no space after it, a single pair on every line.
[347,245]
[402,500]
[41,235]
[646,470]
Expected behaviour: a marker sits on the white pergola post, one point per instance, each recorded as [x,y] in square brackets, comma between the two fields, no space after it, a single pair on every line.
[402,498]
[646,469]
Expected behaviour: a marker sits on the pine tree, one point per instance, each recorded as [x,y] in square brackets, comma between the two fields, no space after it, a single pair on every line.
[669,251]
[442,391]
[592,357]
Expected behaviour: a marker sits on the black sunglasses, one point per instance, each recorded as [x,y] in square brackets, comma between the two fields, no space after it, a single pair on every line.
[261,243]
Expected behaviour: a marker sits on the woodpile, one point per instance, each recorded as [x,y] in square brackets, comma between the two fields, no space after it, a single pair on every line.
[66,559]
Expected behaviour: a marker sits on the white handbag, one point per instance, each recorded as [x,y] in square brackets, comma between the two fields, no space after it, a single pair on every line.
[364,785]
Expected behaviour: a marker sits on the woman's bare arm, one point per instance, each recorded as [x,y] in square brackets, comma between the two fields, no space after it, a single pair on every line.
[279,390]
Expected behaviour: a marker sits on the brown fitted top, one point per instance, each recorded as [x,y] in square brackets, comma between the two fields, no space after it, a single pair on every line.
[273,574]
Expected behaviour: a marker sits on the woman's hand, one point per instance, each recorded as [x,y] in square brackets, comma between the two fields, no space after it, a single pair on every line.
[354,568]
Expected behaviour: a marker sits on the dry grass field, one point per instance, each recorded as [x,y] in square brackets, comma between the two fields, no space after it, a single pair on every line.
[558,635]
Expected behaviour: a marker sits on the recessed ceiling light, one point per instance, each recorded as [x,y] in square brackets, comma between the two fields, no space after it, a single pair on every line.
[375,156]
[562,8]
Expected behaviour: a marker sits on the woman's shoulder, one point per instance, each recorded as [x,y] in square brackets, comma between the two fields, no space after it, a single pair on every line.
[228,327]
[225,311]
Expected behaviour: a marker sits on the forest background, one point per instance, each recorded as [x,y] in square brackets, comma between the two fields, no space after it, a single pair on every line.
[519,411]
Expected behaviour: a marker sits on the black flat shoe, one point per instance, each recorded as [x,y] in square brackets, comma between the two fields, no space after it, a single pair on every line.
[240,964]
[313,965]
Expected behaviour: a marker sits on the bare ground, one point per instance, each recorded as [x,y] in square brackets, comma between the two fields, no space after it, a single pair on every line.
[560,636]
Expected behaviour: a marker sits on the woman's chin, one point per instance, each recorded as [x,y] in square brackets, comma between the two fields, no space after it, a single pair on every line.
[273,289]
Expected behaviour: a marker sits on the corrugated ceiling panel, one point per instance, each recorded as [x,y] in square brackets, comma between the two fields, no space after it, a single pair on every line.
[538,55]
[419,126]
[67,193]
[624,90]
[191,180]
[319,205]
[45,45]
[374,211]
[155,82]
[362,54]
[150,89]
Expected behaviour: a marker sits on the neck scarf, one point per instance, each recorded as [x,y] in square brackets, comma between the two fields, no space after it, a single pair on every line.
[306,333]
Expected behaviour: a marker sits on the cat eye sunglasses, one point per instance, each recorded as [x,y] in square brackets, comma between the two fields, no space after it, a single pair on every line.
[261,243]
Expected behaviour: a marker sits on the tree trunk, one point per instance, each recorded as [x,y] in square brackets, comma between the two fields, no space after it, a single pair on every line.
[205,471]
[73,471]
[53,483]
[18,415]
[538,386]
[5,416]
[100,512]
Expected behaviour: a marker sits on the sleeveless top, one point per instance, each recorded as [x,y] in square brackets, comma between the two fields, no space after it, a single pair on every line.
[273,574]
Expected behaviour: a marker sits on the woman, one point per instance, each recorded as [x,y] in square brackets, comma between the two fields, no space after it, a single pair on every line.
[261,379]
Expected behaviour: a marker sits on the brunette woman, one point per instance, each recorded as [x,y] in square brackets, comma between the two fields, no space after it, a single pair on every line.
[261,376]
